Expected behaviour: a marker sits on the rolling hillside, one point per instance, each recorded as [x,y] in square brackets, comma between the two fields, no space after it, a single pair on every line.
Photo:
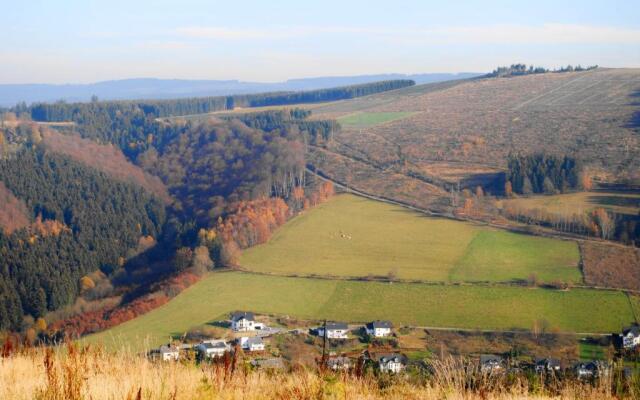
[470,127]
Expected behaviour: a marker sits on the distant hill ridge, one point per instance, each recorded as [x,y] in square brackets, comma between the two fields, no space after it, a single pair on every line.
[151,88]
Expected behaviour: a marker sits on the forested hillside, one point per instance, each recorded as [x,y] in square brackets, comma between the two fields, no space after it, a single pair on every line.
[78,205]
[210,164]
[83,221]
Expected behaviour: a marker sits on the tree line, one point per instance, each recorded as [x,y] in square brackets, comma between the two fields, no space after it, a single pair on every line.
[82,113]
[523,69]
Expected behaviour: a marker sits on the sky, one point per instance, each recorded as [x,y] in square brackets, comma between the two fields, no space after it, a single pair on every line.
[82,41]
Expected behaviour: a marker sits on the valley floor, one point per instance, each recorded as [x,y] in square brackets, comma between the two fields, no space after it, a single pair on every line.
[474,307]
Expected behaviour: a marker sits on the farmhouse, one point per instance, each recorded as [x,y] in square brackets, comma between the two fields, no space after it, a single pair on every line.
[242,321]
[339,363]
[586,370]
[491,363]
[547,365]
[169,353]
[591,369]
[252,343]
[379,328]
[334,330]
[631,337]
[392,363]
[212,349]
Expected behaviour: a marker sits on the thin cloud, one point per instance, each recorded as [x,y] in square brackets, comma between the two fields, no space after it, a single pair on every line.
[490,34]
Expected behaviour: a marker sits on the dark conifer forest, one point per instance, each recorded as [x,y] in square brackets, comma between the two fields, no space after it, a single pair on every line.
[84,221]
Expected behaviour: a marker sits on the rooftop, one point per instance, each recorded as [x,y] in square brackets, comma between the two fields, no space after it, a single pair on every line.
[238,315]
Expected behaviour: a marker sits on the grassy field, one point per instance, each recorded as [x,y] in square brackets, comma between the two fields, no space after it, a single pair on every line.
[572,203]
[365,119]
[411,304]
[352,236]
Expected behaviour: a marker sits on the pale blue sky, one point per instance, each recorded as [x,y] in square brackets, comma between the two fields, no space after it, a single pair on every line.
[85,41]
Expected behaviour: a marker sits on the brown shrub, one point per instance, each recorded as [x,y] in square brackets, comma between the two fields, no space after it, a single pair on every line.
[611,265]
[13,212]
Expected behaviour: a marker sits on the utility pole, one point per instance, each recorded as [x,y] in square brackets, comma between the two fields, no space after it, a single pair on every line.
[324,347]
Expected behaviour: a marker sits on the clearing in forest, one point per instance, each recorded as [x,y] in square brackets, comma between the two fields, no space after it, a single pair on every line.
[354,237]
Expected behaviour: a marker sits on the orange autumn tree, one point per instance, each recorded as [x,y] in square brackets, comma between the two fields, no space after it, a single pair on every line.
[249,223]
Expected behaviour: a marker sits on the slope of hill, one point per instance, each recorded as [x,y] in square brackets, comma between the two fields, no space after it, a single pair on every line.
[106,158]
[479,122]
[85,221]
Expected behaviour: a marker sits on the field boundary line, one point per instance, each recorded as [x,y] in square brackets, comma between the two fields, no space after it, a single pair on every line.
[379,279]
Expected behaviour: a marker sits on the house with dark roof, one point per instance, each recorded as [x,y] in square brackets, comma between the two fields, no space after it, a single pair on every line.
[631,337]
[243,321]
[379,328]
[212,349]
[548,365]
[334,330]
[391,362]
[591,369]
[490,363]
[585,370]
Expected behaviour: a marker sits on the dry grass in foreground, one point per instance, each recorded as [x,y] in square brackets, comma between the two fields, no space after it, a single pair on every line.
[72,373]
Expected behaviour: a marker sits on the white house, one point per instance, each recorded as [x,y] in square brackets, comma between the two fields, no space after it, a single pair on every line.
[169,353]
[211,349]
[243,321]
[392,363]
[631,337]
[339,363]
[334,330]
[490,363]
[252,343]
[379,328]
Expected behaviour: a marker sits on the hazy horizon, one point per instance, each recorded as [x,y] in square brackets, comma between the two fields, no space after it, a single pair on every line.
[82,42]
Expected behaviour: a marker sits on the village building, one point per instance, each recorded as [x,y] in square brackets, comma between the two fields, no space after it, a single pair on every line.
[334,330]
[339,363]
[243,321]
[169,353]
[585,370]
[212,349]
[592,369]
[631,337]
[379,328]
[547,365]
[252,343]
[490,363]
[392,362]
